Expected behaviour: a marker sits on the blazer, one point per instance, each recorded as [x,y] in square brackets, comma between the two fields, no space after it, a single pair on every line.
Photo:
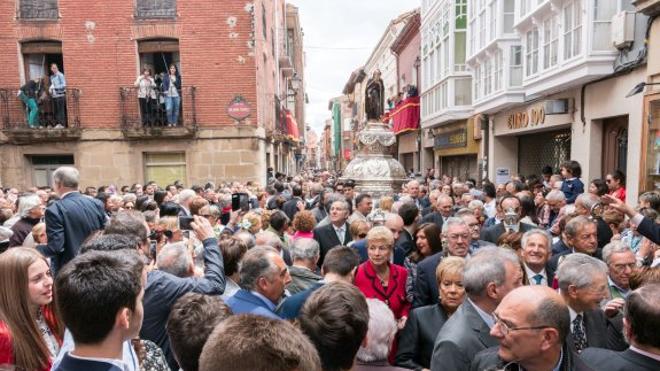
[435,218]
[301,279]
[76,364]
[367,281]
[608,360]
[163,290]
[493,233]
[463,336]
[290,307]
[290,207]
[361,246]
[489,360]
[426,286]
[417,338]
[649,229]
[246,302]
[327,239]
[600,331]
[69,221]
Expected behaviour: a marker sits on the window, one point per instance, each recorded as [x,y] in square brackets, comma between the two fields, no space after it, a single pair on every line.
[459,51]
[525,7]
[463,93]
[473,32]
[445,18]
[532,52]
[426,73]
[487,83]
[155,8]
[43,167]
[499,71]
[508,16]
[603,12]
[461,14]
[432,69]
[572,29]
[477,82]
[38,9]
[165,167]
[550,42]
[482,31]
[443,95]
[492,9]
[515,72]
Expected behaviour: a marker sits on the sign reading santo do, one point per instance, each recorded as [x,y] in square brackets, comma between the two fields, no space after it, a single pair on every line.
[521,120]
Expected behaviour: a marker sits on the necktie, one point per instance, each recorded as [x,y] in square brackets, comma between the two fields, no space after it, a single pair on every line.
[538,278]
[579,337]
[340,235]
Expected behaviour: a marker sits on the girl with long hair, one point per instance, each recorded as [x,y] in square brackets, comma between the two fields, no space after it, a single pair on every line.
[30,328]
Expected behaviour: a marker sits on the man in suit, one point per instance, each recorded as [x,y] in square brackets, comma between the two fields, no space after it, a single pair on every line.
[641,322]
[336,233]
[432,200]
[621,263]
[580,234]
[535,255]
[263,278]
[410,215]
[507,204]
[444,208]
[645,226]
[100,318]
[531,324]
[70,220]
[489,275]
[468,217]
[457,234]
[185,198]
[292,206]
[583,285]
[583,205]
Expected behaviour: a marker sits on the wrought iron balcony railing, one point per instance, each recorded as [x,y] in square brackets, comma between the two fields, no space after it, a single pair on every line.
[142,117]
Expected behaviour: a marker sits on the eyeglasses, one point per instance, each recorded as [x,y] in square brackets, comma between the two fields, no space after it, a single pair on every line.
[506,329]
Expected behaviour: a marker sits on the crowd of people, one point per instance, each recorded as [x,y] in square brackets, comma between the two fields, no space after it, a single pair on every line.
[313,273]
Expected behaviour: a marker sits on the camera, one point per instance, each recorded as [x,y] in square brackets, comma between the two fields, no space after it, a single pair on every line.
[185,223]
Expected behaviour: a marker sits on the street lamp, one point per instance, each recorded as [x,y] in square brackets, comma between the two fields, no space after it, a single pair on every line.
[640,88]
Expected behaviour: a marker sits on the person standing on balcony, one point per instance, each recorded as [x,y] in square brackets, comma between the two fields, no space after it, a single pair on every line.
[57,92]
[146,95]
[28,94]
[172,89]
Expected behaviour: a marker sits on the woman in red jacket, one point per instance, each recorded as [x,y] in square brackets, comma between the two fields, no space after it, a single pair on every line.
[379,279]
[30,330]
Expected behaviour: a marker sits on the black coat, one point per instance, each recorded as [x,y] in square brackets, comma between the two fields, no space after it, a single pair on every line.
[493,233]
[628,360]
[650,230]
[69,222]
[426,287]
[435,218]
[490,360]
[417,338]
[327,238]
[290,207]
[600,331]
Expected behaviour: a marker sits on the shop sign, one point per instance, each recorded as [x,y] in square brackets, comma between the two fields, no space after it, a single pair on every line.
[451,139]
[521,120]
[238,109]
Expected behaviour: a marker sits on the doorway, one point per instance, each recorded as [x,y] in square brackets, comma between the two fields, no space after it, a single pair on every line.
[615,145]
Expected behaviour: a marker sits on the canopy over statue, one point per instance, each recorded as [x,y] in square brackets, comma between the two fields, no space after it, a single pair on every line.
[374,97]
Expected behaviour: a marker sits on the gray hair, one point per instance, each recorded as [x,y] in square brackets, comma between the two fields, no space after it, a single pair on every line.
[174,258]
[381,332]
[129,197]
[305,249]
[574,225]
[27,203]
[186,194]
[540,232]
[215,211]
[588,200]
[247,238]
[614,247]
[487,265]
[269,238]
[66,176]
[257,263]
[476,204]
[555,195]
[452,221]
[332,197]
[579,270]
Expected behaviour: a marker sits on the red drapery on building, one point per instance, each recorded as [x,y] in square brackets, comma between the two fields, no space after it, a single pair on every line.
[405,116]
[291,126]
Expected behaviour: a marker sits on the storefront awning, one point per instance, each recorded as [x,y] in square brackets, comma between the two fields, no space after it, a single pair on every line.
[405,116]
[292,127]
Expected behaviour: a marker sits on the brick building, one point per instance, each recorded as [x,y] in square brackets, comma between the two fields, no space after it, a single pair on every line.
[236,55]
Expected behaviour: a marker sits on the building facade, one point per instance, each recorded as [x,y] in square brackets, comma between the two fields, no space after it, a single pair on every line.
[235,84]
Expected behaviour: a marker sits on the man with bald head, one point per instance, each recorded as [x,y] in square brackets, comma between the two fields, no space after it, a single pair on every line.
[531,325]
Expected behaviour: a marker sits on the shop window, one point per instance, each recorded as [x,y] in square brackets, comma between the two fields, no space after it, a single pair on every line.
[43,167]
[165,167]
[540,149]
[155,9]
[38,9]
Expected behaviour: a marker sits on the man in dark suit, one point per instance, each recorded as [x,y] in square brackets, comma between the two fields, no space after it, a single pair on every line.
[537,308]
[70,220]
[444,208]
[507,203]
[580,234]
[583,206]
[262,288]
[645,226]
[583,285]
[410,215]
[336,233]
[295,204]
[535,254]
[641,322]
[489,275]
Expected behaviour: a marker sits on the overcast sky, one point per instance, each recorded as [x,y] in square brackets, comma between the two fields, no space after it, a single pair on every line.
[339,36]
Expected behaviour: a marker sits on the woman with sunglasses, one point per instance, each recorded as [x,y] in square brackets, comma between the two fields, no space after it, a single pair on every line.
[358,230]
[30,328]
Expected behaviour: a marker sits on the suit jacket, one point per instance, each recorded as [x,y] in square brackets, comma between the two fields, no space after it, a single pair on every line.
[246,302]
[559,247]
[398,257]
[489,360]
[649,229]
[553,263]
[290,207]
[603,233]
[69,222]
[301,279]
[327,239]
[600,331]
[76,364]
[435,218]
[417,338]
[493,233]
[463,336]
[290,307]
[426,286]
[628,360]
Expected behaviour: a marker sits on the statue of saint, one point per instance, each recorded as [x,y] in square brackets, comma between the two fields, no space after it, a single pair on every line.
[374,97]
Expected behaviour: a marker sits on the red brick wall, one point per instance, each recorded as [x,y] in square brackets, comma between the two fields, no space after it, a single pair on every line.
[101,60]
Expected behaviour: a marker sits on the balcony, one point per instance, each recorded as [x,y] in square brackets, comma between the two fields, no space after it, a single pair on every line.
[37,10]
[148,118]
[52,120]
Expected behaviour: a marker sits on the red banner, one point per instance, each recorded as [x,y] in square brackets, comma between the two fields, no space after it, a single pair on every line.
[292,126]
[405,115]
